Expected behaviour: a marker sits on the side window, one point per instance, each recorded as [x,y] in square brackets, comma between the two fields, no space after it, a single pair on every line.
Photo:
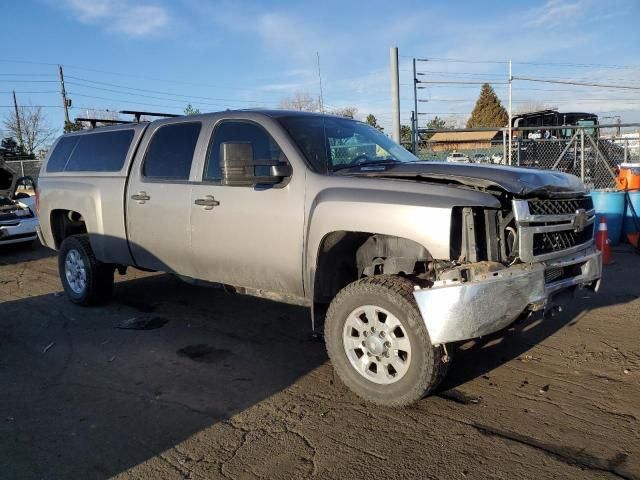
[60,155]
[264,147]
[171,150]
[100,152]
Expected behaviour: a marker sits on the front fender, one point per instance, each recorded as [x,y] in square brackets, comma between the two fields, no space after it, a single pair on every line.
[423,217]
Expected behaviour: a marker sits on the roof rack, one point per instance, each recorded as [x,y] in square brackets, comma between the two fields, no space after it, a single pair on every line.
[94,121]
[137,114]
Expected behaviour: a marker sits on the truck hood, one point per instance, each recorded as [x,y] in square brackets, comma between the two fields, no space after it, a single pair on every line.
[521,182]
[8,180]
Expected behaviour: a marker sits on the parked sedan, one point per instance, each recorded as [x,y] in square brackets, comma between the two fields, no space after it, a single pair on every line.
[497,159]
[457,157]
[480,158]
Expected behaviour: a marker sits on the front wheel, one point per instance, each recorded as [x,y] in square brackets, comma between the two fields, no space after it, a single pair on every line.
[378,343]
[85,280]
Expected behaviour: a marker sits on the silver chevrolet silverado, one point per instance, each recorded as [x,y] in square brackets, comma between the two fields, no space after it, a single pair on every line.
[394,256]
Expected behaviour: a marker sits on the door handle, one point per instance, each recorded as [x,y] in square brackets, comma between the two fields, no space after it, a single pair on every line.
[141,197]
[208,202]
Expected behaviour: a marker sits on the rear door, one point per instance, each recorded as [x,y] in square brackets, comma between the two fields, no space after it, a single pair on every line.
[159,197]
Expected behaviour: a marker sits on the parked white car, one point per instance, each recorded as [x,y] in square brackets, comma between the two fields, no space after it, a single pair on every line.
[497,159]
[457,157]
[480,158]
[18,218]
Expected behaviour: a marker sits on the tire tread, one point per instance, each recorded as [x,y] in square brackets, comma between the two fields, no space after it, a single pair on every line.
[431,371]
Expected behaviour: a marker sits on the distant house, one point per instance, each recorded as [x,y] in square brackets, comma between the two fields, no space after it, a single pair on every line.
[449,141]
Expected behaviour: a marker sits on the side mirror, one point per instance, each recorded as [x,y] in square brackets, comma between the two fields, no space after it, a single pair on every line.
[240,169]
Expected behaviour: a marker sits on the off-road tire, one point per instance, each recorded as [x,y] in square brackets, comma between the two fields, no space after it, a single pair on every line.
[394,294]
[99,276]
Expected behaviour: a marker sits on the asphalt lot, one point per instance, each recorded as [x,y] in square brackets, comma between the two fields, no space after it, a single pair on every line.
[227,386]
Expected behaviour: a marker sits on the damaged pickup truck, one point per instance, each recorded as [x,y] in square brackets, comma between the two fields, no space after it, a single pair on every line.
[395,257]
[18,220]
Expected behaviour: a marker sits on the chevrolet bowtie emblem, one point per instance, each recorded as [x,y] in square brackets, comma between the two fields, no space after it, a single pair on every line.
[580,220]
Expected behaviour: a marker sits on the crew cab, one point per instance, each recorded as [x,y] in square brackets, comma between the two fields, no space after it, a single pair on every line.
[396,258]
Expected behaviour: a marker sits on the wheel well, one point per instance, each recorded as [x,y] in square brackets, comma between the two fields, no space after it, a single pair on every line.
[344,257]
[65,223]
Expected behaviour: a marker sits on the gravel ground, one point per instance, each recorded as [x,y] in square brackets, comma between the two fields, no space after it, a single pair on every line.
[218,385]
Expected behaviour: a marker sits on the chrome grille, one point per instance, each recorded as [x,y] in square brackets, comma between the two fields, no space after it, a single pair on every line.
[549,242]
[559,206]
[552,228]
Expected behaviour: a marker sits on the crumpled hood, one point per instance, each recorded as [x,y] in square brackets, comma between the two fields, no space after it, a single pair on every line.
[8,180]
[519,181]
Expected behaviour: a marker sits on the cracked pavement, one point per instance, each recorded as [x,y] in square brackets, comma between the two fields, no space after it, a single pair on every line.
[228,386]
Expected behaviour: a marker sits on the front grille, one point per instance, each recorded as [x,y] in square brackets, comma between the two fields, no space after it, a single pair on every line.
[8,216]
[552,228]
[550,242]
[552,274]
[559,206]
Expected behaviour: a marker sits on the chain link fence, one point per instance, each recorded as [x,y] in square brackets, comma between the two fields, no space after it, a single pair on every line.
[25,168]
[592,153]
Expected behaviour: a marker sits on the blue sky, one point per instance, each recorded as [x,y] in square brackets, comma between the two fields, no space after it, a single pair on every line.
[160,55]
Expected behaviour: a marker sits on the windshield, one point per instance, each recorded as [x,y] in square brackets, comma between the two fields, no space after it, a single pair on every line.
[331,143]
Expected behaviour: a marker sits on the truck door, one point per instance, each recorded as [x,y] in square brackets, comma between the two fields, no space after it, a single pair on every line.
[159,195]
[248,236]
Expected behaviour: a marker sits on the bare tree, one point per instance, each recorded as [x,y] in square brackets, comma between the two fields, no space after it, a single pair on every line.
[301,101]
[36,132]
[349,112]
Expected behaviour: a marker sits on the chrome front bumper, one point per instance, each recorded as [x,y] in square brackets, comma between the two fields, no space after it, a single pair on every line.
[22,230]
[454,311]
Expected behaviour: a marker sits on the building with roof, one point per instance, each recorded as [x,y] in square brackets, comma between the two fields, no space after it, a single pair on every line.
[449,141]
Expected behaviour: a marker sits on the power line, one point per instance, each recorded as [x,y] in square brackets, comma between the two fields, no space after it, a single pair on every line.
[29,92]
[581,84]
[153,97]
[548,64]
[461,82]
[28,81]
[33,106]
[125,87]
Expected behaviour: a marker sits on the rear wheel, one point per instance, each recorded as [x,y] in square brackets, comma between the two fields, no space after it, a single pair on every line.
[85,280]
[378,343]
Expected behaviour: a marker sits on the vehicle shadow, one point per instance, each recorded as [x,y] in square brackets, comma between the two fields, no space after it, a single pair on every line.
[23,252]
[83,397]
[478,357]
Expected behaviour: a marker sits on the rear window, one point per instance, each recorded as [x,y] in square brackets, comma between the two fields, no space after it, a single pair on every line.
[61,153]
[93,152]
[171,150]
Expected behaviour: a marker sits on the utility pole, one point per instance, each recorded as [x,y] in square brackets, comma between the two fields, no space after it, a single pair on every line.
[510,110]
[321,98]
[414,124]
[414,127]
[395,94]
[63,92]
[15,106]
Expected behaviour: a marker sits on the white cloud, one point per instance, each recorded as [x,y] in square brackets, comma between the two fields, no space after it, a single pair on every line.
[121,16]
[555,13]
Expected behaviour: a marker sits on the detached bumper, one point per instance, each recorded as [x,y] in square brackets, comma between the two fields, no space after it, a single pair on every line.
[454,311]
[23,230]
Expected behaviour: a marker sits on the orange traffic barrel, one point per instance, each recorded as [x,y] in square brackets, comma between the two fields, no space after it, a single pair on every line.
[628,177]
[602,241]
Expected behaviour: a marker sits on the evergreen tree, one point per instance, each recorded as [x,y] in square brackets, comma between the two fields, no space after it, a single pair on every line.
[488,111]
[373,121]
[405,134]
[191,110]
[72,126]
[436,123]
